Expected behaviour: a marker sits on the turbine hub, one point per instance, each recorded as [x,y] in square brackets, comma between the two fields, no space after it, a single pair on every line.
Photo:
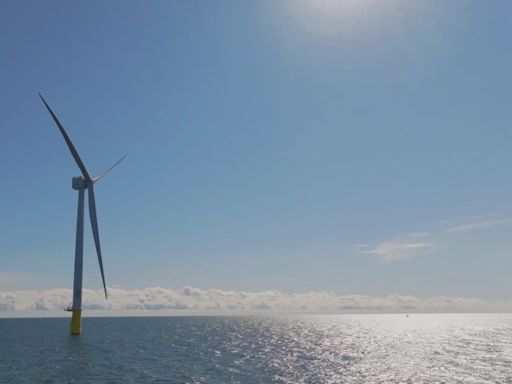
[79,183]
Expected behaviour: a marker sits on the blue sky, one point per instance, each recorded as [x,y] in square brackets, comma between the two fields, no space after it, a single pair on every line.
[354,147]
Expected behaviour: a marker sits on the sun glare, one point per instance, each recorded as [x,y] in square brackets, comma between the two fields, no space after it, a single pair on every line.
[345,19]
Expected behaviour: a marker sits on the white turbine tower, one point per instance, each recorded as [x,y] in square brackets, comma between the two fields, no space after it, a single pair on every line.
[81,183]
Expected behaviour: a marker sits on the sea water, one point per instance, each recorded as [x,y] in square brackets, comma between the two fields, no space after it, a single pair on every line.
[455,348]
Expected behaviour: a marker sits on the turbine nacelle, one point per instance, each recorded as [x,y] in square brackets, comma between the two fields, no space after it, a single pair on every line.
[79,183]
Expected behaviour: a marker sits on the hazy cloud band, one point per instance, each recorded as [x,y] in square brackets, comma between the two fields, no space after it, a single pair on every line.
[216,300]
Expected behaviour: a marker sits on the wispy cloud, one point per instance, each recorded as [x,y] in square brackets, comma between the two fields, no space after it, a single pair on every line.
[477,225]
[394,250]
[416,235]
[415,244]
[361,247]
[155,300]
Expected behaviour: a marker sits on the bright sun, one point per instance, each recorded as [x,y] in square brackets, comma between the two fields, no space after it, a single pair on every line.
[348,18]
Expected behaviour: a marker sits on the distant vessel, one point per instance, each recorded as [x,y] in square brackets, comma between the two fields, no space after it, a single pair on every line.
[81,183]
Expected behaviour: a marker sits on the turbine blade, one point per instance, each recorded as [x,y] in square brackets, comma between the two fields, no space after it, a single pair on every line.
[96,178]
[68,142]
[95,233]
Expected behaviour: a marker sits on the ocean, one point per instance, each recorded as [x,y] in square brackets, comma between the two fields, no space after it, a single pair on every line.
[420,348]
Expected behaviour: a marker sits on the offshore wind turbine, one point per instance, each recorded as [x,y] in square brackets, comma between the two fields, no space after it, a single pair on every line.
[82,183]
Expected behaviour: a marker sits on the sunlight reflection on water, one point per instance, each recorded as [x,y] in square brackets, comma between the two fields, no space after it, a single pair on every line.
[300,349]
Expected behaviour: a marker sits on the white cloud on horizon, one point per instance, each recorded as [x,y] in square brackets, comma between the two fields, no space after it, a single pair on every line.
[194,300]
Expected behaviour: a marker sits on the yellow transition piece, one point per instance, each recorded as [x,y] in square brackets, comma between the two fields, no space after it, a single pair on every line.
[76,320]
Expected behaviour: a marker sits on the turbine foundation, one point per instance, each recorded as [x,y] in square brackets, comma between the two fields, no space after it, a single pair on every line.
[76,321]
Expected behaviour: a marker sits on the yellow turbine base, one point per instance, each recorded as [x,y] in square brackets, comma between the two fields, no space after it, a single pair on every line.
[76,320]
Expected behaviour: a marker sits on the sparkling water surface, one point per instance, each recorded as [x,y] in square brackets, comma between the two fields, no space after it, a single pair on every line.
[459,348]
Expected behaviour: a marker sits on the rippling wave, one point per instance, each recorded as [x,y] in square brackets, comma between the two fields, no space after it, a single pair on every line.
[302,349]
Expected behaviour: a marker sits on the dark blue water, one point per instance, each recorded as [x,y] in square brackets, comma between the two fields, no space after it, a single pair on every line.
[307,349]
